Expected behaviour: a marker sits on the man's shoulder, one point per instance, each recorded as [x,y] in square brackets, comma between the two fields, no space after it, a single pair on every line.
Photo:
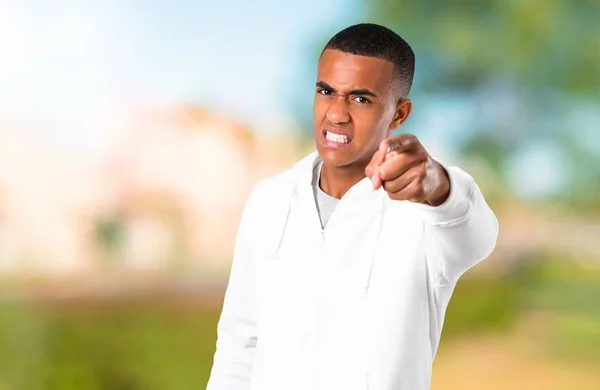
[282,184]
[276,184]
[270,196]
[274,189]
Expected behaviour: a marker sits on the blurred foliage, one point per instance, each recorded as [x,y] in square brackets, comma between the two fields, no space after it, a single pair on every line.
[483,305]
[570,290]
[111,345]
[565,289]
[537,44]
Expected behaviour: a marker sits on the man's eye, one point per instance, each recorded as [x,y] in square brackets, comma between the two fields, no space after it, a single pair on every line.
[362,99]
[324,91]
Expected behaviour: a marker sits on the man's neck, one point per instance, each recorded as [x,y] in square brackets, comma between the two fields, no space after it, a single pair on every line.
[336,181]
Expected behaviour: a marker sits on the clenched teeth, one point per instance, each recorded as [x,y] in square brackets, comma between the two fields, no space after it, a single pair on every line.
[339,138]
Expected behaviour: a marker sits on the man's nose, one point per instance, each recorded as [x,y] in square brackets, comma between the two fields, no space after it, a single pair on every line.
[338,110]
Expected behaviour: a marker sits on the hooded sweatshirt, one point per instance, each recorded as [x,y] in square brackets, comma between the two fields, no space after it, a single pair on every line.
[358,304]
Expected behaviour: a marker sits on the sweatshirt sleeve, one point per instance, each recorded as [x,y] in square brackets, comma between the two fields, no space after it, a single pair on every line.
[461,232]
[236,329]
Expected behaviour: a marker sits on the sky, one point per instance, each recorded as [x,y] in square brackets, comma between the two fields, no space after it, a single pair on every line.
[66,61]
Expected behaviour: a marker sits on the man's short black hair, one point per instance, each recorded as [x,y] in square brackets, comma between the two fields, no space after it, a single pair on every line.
[373,40]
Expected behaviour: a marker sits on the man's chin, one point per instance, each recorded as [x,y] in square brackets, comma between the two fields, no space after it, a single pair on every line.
[336,158]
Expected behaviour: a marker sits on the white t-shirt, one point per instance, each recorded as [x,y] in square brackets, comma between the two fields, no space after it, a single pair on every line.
[325,202]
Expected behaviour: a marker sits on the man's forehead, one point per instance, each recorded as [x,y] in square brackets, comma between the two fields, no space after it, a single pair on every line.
[337,67]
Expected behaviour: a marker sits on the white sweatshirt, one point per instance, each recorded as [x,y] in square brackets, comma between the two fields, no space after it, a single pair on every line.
[357,306]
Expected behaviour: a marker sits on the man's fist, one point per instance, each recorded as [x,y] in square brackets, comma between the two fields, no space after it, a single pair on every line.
[407,172]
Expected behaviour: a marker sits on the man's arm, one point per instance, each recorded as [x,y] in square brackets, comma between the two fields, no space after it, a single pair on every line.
[460,232]
[236,330]
[461,229]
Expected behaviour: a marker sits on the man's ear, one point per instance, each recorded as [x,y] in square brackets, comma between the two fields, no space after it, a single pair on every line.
[403,109]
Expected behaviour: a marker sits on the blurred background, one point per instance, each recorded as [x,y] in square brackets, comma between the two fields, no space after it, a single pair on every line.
[132,132]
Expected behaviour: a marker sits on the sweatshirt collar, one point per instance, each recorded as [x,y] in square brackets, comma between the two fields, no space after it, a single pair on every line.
[361,191]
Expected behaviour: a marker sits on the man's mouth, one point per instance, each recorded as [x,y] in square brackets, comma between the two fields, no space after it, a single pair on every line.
[337,137]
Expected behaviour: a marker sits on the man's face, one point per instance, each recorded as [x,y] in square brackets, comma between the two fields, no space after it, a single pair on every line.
[355,107]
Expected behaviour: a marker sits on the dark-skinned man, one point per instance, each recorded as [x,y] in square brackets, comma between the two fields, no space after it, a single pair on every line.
[345,263]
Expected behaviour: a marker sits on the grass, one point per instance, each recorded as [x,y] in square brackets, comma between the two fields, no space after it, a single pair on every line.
[166,344]
[117,346]
[566,291]
[483,304]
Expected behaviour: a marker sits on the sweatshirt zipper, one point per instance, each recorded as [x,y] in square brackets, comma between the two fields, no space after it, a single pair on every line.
[331,217]
[320,259]
[321,244]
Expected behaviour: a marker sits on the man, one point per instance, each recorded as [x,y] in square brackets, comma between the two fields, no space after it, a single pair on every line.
[344,264]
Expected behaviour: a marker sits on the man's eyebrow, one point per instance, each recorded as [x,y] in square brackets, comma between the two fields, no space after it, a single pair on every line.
[324,85]
[361,91]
